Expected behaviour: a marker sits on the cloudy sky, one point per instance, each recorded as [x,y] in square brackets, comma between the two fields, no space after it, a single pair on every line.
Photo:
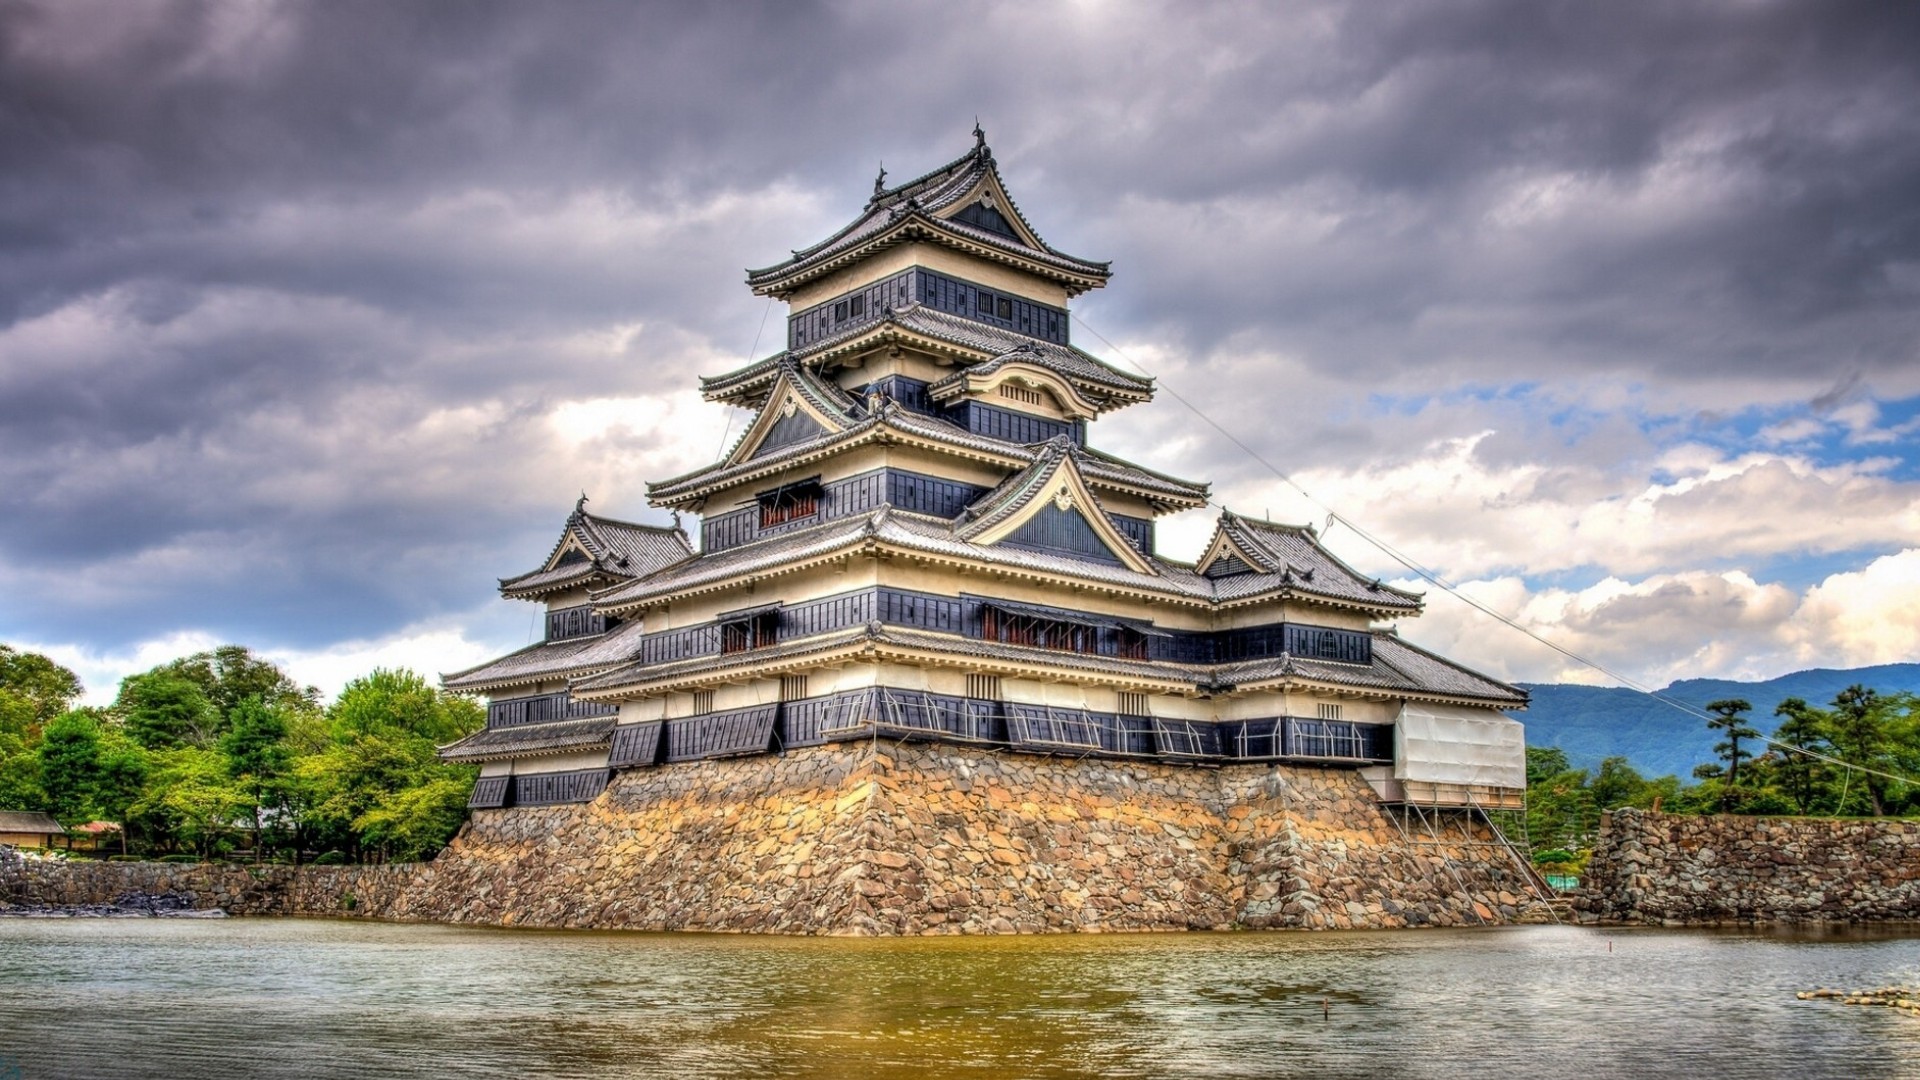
[316,318]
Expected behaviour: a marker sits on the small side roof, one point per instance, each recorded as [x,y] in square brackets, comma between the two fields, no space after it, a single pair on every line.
[29,821]
[531,740]
[567,658]
[592,547]
[1294,554]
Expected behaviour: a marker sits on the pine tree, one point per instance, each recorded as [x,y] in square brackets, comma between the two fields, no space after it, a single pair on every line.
[1730,717]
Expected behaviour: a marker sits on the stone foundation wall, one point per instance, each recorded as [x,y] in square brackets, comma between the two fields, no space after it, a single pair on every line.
[1673,870]
[239,890]
[919,839]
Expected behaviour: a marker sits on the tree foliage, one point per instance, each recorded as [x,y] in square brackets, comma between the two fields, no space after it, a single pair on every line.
[221,750]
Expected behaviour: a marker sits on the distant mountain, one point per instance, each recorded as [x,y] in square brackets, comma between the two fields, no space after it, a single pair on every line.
[1592,722]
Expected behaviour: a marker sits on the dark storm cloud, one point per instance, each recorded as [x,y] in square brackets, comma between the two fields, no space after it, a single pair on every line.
[288,291]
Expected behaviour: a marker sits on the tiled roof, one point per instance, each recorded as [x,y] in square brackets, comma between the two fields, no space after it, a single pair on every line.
[727,386]
[552,660]
[699,665]
[838,406]
[615,549]
[1004,346]
[1397,668]
[721,566]
[29,821]
[1011,495]
[1296,555]
[937,537]
[1099,469]
[525,740]
[908,210]
[1431,671]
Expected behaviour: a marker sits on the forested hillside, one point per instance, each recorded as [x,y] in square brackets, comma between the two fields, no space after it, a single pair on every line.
[1593,723]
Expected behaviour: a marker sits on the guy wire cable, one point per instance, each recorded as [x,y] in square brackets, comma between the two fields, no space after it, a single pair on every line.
[1433,577]
[727,432]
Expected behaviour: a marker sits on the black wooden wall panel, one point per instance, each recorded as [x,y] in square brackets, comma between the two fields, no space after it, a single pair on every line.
[578,621]
[543,708]
[635,744]
[789,430]
[845,497]
[1009,426]
[548,789]
[1065,532]
[740,731]
[489,792]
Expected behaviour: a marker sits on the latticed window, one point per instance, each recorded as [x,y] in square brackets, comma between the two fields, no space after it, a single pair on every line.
[790,503]
[702,702]
[793,687]
[1133,704]
[753,632]
[984,687]
[1022,394]
[1327,711]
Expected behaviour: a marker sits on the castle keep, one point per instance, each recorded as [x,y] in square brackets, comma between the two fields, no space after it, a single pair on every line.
[916,546]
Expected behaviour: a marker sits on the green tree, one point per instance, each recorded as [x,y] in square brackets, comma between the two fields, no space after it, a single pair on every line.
[259,762]
[232,674]
[70,759]
[163,710]
[1801,734]
[33,692]
[1729,715]
[192,796]
[1857,728]
[378,784]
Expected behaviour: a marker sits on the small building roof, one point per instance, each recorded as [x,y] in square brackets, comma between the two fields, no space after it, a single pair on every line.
[29,821]
[928,208]
[610,549]
[567,658]
[1295,555]
[531,740]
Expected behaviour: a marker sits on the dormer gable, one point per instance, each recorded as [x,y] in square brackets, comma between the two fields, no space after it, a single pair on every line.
[1293,557]
[986,206]
[800,406]
[1018,380]
[1049,507]
[962,206]
[596,550]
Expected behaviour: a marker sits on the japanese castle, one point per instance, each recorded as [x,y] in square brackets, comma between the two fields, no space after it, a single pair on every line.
[915,539]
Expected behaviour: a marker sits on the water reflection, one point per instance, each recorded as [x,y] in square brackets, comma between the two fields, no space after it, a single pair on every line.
[284,999]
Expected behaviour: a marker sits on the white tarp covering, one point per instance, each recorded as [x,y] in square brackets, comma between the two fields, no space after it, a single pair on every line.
[1454,744]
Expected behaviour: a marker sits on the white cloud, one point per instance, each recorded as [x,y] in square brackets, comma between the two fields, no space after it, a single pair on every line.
[1453,508]
[1693,624]
[430,648]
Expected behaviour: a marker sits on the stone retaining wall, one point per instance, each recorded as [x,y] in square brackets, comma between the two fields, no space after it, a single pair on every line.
[237,889]
[1674,870]
[916,839]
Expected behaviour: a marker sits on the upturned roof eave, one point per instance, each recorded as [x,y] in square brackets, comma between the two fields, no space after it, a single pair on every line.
[1077,274]
[690,488]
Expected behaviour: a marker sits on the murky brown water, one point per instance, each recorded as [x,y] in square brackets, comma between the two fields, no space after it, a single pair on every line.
[311,998]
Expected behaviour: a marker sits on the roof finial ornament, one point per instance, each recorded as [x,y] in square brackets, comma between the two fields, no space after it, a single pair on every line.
[880,182]
[979,135]
[580,507]
[677,527]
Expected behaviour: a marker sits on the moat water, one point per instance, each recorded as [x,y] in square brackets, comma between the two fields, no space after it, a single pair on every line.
[320,998]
